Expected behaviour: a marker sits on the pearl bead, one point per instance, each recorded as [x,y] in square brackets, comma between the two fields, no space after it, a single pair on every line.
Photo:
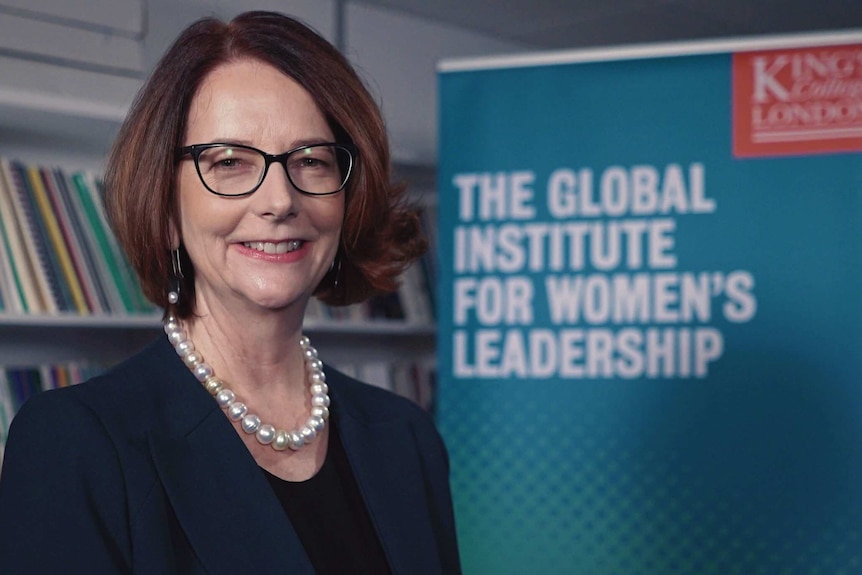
[265,434]
[250,423]
[295,440]
[315,365]
[192,358]
[172,325]
[309,353]
[225,397]
[317,376]
[322,400]
[316,423]
[237,410]
[307,433]
[184,347]
[213,385]
[320,411]
[203,371]
[176,336]
[319,389]
[304,342]
[281,440]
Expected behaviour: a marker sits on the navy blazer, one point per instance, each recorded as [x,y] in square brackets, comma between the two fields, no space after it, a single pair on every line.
[139,471]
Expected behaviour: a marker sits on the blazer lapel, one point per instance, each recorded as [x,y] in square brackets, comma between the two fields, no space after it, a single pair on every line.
[226,508]
[391,479]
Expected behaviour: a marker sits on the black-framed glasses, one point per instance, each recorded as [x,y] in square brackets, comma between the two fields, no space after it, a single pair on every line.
[238,170]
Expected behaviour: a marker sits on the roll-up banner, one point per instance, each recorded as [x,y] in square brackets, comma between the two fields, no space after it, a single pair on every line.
[650,308]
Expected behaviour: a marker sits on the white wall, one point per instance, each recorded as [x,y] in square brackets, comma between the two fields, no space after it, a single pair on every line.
[397,56]
[168,17]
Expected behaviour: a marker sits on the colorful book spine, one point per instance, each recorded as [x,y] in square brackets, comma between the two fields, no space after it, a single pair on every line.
[77,232]
[7,411]
[141,303]
[57,290]
[32,261]
[108,289]
[99,225]
[8,288]
[74,239]
[20,276]
[57,244]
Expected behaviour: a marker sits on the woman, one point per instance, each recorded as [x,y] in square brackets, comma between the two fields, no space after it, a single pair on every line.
[251,173]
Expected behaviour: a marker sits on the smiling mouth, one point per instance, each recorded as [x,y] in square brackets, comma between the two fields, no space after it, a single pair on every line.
[274,248]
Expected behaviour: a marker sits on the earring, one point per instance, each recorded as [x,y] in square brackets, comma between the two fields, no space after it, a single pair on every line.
[336,265]
[174,289]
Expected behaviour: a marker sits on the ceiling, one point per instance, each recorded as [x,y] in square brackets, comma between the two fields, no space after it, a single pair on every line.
[560,24]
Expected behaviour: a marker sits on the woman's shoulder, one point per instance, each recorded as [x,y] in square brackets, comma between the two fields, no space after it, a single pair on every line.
[126,395]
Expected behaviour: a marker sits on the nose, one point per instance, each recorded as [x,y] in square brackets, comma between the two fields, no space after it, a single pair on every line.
[276,197]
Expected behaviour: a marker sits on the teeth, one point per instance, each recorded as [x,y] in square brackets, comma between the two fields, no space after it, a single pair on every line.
[273,248]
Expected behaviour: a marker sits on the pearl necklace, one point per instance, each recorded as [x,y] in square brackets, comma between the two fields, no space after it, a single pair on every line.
[266,434]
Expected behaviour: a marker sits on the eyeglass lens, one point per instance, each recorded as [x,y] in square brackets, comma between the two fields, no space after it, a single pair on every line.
[234,171]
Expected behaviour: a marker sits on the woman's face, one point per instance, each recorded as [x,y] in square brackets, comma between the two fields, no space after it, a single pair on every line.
[230,240]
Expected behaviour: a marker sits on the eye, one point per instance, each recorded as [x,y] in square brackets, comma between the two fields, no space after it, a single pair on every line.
[227,159]
[313,158]
[311,162]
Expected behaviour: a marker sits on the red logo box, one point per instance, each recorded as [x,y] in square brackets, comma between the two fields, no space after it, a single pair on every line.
[798,101]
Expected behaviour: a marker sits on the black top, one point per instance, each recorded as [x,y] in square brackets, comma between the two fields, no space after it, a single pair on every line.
[330,517]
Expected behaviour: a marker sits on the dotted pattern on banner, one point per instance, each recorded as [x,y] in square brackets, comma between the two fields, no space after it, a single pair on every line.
[534,496]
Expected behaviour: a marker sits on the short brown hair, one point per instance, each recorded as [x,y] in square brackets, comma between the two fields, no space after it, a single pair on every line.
[381,233]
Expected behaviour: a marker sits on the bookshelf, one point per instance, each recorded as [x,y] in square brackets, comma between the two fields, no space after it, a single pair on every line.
[35,339]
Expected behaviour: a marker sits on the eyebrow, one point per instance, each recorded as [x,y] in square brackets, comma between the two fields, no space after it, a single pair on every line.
[296,144]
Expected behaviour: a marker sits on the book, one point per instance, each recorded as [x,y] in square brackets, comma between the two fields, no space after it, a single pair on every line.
[414,296]
[7,411]
[103,235]
[89,234]
[57,291]
[71,239]
[23,383]
[386,306]
[27,246]
[57,243]
[78,231]
[140,304]
[414,381]
[8,289]
[376,373]
[428,262]
[18,276]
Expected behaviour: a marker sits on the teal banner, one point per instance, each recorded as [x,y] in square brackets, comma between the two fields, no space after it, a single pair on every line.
[649,309]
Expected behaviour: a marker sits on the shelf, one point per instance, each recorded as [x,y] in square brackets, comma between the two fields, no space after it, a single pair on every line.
[371,328]
[107,339]
[60,116]
[132,322]
[81,322]
[39,132]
